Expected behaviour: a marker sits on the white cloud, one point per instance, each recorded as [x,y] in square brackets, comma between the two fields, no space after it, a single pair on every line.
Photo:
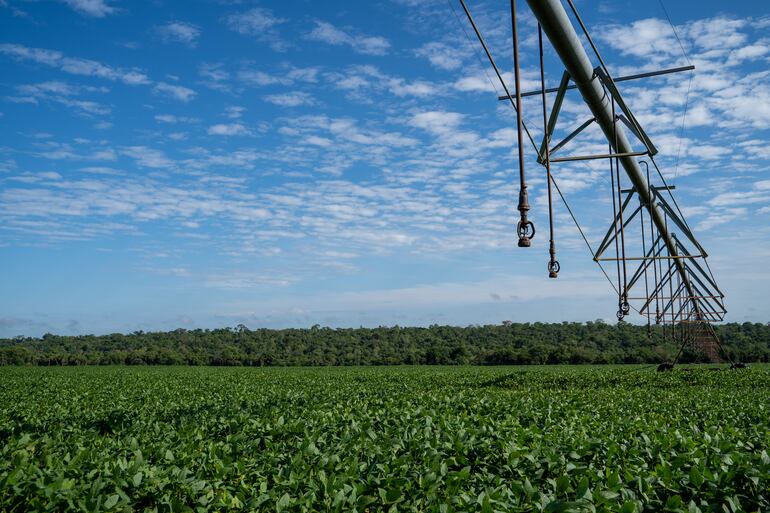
[50,87]
[288,77]
[148,157]
[258,22]
[318,141]
[170,118]
[214,76]
[642,38]
[419,88]
[234,111]
[181,93]
[86,106]
[228,129]
[180,32]
[442,55]
[74,66]
[347,129]
[239,280]
[437,122]
[253,22]
[368,45]
[362,82]
[95,8]
[261,78]
[62,93]
[488,82]
[292,99]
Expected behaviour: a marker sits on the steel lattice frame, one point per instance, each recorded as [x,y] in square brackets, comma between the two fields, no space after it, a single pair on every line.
[668,279]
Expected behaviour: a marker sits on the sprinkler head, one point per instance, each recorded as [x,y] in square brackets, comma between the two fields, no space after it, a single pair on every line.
[553,267]
[526,230]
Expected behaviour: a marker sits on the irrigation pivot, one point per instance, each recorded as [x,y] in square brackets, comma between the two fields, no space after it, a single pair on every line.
[661,270]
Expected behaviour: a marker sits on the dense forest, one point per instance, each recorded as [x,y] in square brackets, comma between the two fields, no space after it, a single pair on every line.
[509,343]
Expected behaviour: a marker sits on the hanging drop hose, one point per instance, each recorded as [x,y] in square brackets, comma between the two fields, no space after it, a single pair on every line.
[525,228]
[654,242]
[646,266]
[553,264]
[620,290]
[623,307]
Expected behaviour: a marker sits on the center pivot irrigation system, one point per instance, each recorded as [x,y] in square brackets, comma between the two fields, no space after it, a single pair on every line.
[663,274]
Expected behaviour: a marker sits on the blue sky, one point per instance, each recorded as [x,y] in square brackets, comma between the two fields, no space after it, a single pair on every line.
[277,164]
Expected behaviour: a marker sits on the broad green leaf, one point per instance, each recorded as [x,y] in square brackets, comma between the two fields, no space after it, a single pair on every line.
[111,501]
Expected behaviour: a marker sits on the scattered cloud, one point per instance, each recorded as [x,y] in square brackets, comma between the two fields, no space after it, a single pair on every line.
[259,23]
[73,65]
[441,55]
[180,32]
[183,94]
[61,93]
[288,76]
[94,8]
[234,112]
[148,157]
[362,83]
[369,45]
[292,99]
[170,118]
[215,76]
[362,163]
[228,129]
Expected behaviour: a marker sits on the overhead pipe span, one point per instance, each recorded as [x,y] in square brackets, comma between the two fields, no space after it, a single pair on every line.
[564,39]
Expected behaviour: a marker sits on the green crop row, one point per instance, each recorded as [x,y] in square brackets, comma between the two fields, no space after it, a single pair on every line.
[384,439]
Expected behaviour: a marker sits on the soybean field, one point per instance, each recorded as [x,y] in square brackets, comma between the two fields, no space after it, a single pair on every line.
[443,439]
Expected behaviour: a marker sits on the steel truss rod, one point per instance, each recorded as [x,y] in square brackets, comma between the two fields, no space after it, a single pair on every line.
[569,137]
[497,70]
[669,257]
[619,79]
[655,188]
[643,298]
[600,156]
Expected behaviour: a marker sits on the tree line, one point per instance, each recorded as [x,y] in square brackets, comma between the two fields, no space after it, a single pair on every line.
[510,343]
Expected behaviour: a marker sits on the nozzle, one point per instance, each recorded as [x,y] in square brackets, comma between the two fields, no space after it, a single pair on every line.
[553,265]
[525,228]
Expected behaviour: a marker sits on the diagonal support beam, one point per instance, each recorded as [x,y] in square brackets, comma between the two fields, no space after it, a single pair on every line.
[619,79]
[571,136]
[610,85]
[555,110]
[609,237]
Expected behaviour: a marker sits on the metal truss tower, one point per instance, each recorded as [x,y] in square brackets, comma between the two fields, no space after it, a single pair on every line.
[662,271]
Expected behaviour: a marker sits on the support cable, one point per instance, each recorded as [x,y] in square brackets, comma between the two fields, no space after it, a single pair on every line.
[497,71]
[624,309]
[670,286]
[654,247]
[615,228]
[470,45]
[689,84]
[681,129]
[665,11]
[646,279]
[525,228]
